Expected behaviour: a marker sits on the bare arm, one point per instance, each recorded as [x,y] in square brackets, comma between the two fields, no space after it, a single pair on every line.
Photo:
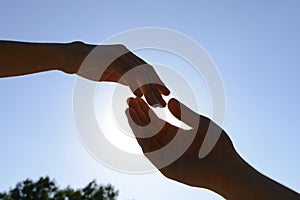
[109,63]
[20,58]
[245,182]
[222,170]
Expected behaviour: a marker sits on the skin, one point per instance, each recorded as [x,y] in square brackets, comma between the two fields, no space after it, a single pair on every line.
[223,170]
[21,58]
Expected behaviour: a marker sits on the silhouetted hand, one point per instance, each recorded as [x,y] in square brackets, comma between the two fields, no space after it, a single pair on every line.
[222,170]
[98,63]
[124,67]
[188,168]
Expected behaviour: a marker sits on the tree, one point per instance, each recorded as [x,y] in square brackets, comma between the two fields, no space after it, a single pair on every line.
[46,189]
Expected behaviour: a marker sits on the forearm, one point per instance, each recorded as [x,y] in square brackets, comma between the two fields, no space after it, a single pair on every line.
[247,183]
[20,58]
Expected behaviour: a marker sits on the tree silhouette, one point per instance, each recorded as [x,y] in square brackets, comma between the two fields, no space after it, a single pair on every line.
[46,189]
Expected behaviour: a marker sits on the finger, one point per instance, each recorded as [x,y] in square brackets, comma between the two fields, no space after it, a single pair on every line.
[153,96]
[135,118]
[158,138]
[143,118]
[130,61]
[159,98]
[156,79]
[143,108]
[143,74]
[183,113]
[165,132]
[148,144]
[163,90]
[149,95]
[143,105]
[138,92]
[151,86]
[156,123]
[139,131]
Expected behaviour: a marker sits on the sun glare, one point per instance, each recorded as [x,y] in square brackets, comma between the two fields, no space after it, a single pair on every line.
[114,125]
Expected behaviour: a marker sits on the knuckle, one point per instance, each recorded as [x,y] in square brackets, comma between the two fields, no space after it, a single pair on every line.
[120,46]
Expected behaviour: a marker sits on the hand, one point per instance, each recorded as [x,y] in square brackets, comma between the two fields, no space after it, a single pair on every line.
[188,168]
[222,170]
[98,63]
[122,66]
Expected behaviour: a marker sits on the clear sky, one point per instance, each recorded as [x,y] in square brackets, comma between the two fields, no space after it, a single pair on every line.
[255,45]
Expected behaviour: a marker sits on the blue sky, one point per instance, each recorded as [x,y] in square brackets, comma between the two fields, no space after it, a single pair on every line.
[255,46]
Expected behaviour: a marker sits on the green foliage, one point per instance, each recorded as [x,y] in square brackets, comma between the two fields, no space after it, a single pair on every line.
[46,189]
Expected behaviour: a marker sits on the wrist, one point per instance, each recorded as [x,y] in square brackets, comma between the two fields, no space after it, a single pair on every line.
[231,178]
[242,181]
[245,182]
[72,55]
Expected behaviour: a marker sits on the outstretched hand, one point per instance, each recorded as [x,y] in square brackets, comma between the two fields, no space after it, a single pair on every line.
[97,63]
[175,153]
[188,168]
[123,66]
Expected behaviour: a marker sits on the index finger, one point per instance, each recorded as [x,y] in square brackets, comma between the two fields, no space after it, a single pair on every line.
[153,95]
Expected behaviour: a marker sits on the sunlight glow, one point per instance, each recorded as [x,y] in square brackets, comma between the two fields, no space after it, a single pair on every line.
[116,128]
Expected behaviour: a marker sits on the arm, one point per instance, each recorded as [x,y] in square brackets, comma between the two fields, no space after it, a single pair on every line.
[247,183]
[222,170]
[122,66]
[20,58]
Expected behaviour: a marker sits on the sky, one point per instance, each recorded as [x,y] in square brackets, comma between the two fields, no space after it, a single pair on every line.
[255,46]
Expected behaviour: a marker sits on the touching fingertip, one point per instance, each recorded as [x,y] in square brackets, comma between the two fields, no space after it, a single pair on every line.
[173,100]
[160,104]
[164,90]
[129,99]
[173,103]
[167,92]
[138,93]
